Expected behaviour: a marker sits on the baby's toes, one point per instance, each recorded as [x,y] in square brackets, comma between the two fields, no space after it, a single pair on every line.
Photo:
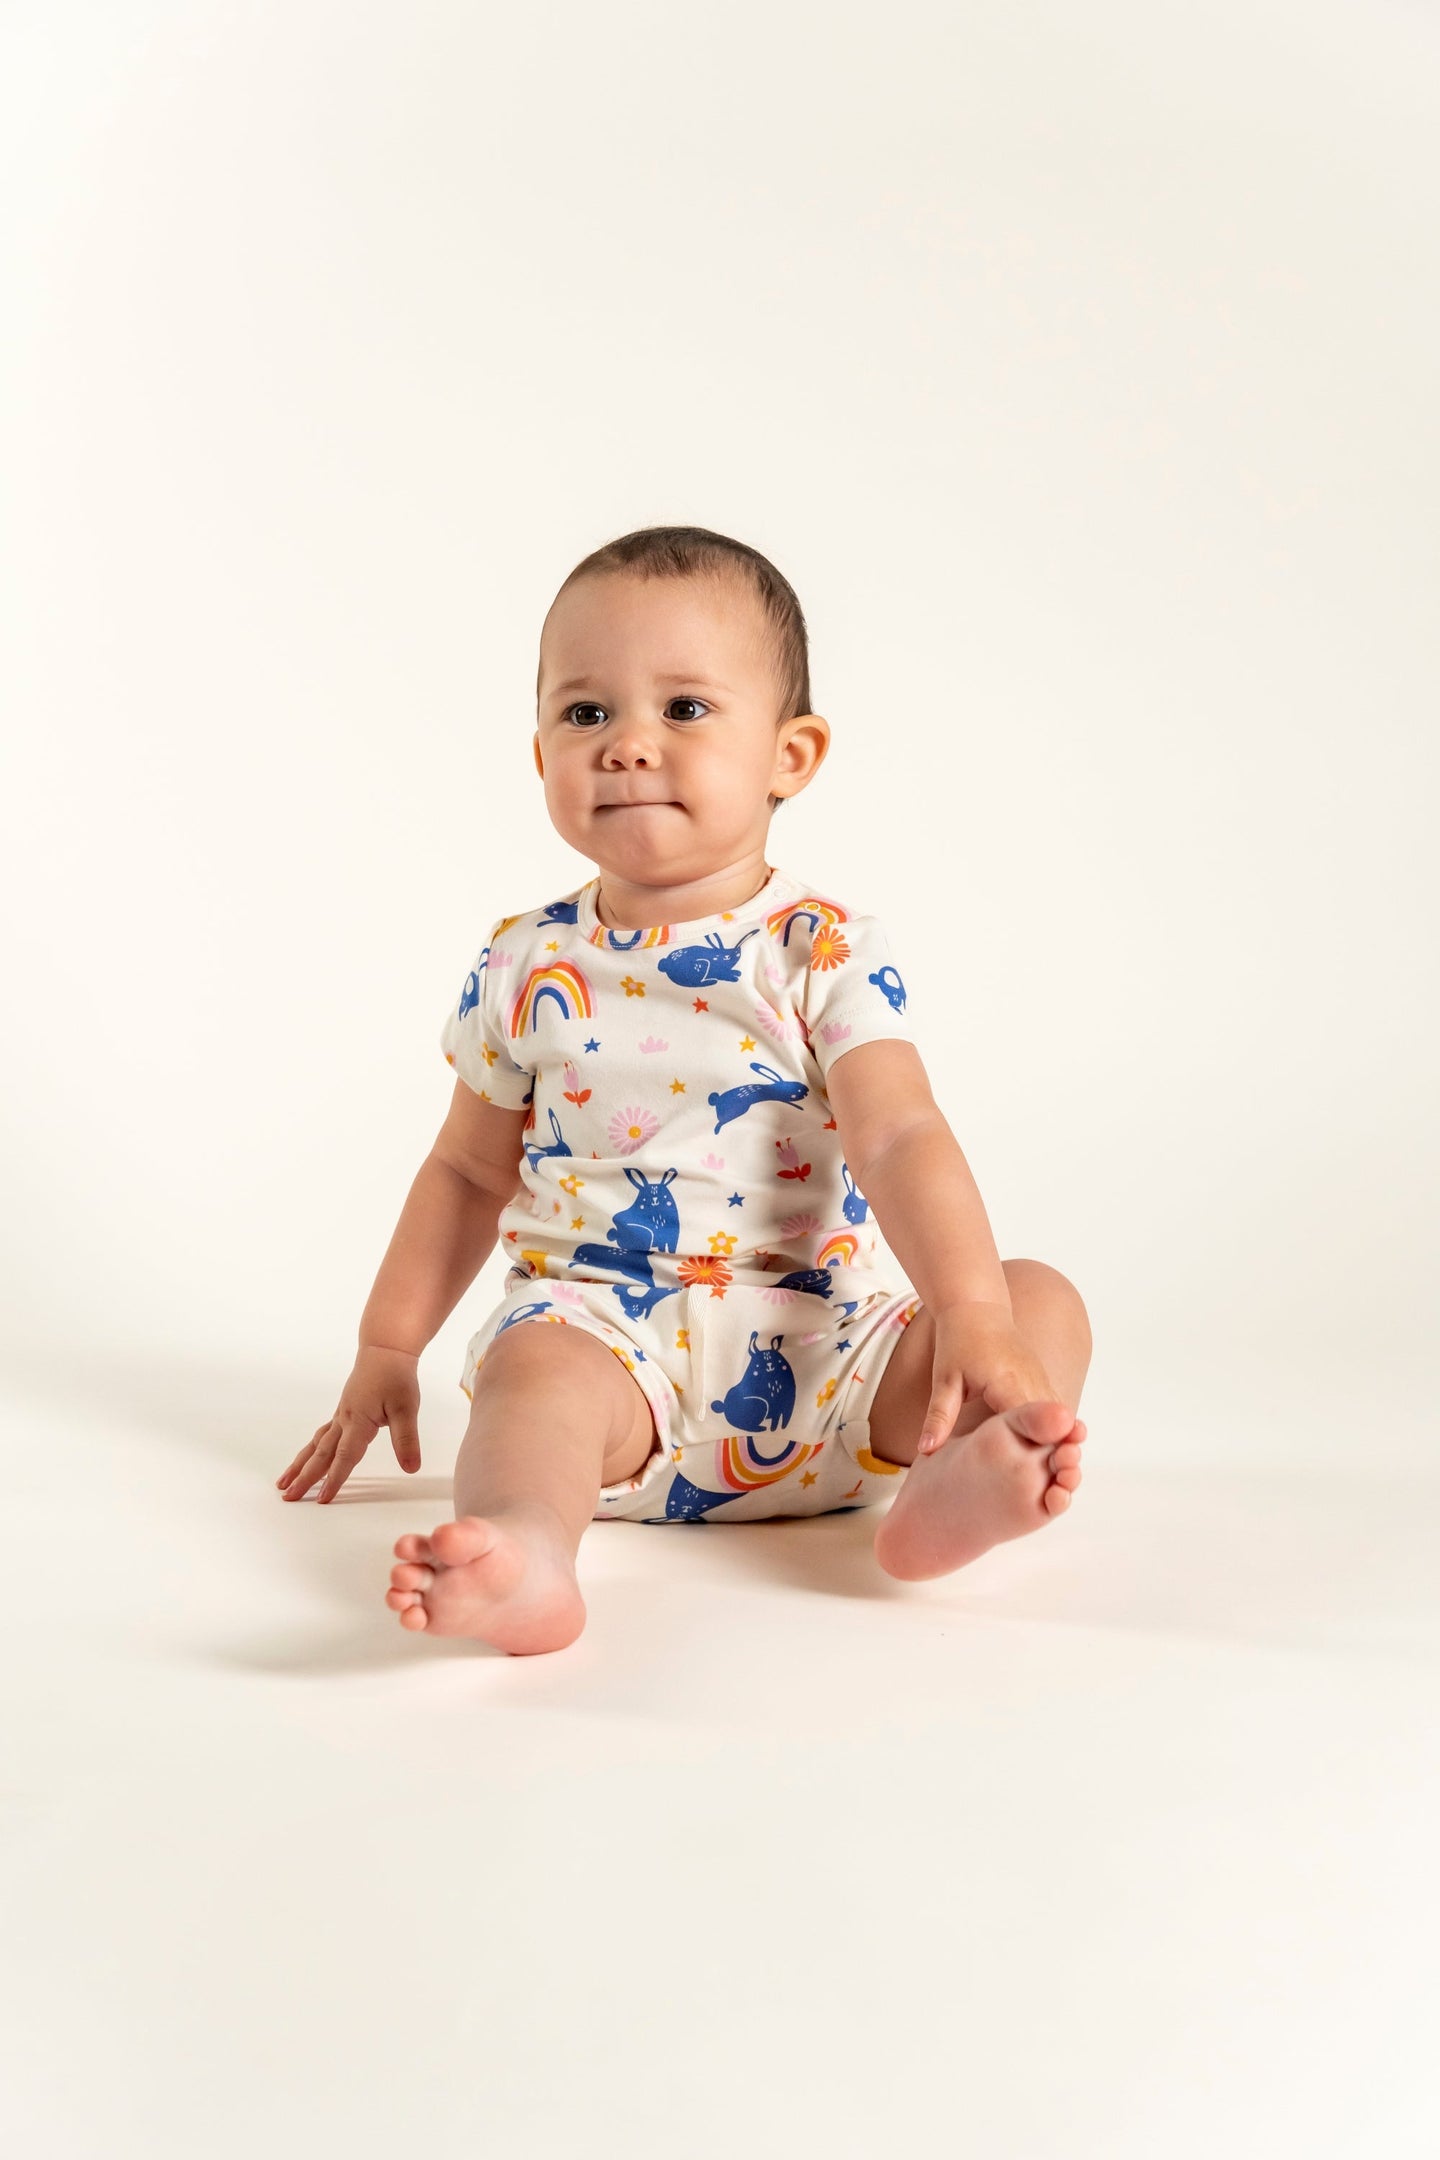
[412,1547]
[411,1578]
[1065,1467]
[406,1600]
[1056,1499]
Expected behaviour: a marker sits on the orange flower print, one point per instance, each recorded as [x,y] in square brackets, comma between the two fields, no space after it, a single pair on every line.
[712,1268]
[790,1157]
[573,1090]
[828,948]
[631,1128]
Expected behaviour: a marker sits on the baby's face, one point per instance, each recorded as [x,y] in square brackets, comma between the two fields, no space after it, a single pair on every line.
[657,737]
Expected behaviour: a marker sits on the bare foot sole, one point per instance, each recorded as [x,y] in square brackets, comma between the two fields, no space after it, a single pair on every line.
[507,1579]
[1013,1473]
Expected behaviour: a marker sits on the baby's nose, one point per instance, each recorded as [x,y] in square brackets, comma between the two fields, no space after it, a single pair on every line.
[633,750]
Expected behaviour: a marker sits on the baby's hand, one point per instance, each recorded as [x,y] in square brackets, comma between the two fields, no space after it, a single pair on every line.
[383,1389]
[979,1353]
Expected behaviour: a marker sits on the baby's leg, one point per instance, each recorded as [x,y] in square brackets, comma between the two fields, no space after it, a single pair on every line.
[554,1416]
[998,1475]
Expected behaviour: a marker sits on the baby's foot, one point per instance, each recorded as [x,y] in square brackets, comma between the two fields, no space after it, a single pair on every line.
[1008,1476]
[508,1578]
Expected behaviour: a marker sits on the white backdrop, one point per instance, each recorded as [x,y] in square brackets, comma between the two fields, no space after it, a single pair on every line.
[1078,367]
[1079,372]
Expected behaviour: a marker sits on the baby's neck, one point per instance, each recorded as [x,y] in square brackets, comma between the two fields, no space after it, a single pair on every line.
[626,904]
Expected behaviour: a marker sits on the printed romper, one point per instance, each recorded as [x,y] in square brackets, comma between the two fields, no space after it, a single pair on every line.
[682,1194]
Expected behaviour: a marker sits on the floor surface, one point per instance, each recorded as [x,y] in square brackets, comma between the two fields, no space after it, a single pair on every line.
[1120,1843]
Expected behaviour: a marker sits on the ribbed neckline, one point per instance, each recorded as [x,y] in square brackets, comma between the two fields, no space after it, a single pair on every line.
[760,903]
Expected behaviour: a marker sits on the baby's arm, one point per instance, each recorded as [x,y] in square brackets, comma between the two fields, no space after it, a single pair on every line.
[446,1232]
[908,1164]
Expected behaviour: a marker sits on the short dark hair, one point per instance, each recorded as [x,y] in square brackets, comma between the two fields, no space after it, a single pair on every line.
[690,551]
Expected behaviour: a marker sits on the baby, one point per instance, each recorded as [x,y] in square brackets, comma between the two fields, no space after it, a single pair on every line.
[681,1090]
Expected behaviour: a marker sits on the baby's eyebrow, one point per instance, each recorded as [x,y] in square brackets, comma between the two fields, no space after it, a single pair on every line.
[586,682]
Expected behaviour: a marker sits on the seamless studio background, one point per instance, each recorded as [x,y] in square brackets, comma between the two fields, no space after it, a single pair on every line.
[1078,369]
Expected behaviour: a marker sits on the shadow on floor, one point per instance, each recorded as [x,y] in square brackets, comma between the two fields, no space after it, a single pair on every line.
[1330,1562]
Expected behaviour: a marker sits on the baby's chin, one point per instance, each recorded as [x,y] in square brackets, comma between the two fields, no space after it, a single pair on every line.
[657,833]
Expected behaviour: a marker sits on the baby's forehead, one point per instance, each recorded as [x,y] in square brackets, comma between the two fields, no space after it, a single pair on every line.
[735,632]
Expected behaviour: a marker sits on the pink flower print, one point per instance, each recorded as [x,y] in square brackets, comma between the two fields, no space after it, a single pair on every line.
[796,1227]
[774,974]
[779,1025]
[833,1032]
[500,959]
[717,1162]
[631,1128]
[567,1293]
[573,1090]
[651,1044]
[779,1294]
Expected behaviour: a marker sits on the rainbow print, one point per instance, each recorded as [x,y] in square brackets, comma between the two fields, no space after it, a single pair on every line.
[560,980]
[876,1464]
[838,1250]
[812,910]
[629,940]
[740,1465]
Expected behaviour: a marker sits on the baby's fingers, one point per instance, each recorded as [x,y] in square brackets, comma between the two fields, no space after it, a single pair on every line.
[947,1399]
[353,1443]
[314,1467]
[298,1461]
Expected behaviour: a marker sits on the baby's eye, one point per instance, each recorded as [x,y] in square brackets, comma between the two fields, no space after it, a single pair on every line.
[578,715]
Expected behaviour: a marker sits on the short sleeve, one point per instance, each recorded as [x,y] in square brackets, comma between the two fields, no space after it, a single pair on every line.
[854,992]
[474,1037]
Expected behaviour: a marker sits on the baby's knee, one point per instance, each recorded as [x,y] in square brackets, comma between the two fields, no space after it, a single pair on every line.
[563,1372]
[1034,1282]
